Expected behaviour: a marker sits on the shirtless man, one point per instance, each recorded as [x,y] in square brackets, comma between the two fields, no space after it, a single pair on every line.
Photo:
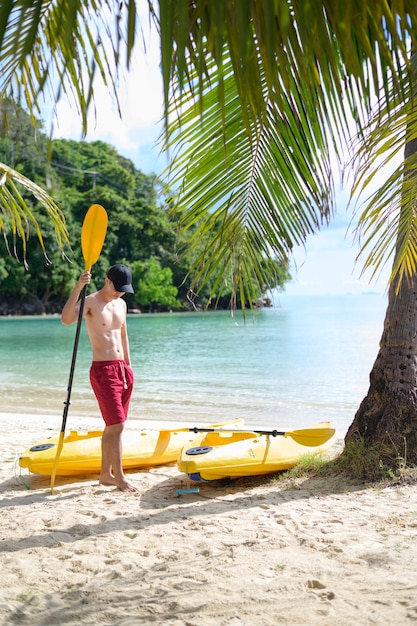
[111,375]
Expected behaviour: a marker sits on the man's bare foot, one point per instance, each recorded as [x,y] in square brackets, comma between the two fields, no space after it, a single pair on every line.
[125,486]
[108,480]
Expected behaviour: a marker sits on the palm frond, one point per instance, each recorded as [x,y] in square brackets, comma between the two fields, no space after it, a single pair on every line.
[387,224]
[331,44]
[264,91]
[254,191]
[16,217]
[56,46]
[49,48]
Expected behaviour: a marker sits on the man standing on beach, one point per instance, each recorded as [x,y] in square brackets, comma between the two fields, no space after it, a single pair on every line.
[111,375]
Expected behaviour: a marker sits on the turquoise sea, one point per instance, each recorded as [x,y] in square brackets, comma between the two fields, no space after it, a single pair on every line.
[306,359]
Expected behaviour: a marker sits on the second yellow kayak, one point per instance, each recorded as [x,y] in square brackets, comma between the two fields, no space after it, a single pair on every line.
[230,454]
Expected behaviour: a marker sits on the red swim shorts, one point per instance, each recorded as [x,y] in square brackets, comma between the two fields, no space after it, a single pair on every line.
[112,383]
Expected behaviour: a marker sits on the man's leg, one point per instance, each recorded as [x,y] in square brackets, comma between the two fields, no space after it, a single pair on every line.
[111,455]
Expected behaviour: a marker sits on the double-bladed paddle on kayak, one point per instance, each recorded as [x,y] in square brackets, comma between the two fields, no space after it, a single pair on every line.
[93,234]
[315,436]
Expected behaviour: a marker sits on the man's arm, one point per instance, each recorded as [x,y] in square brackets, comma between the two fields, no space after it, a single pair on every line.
[125,341]
[71,309]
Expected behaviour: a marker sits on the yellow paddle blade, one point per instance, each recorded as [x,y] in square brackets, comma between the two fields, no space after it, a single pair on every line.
[93,234]
[58,454]
[314,436]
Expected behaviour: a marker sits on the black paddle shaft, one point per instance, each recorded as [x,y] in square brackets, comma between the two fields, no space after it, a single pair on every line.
[74,358]
[274,433]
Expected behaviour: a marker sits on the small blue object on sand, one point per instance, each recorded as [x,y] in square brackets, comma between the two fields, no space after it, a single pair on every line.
[189,490]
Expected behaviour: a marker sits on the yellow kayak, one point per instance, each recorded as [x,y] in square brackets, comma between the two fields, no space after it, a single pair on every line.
[230,454]
[152,445]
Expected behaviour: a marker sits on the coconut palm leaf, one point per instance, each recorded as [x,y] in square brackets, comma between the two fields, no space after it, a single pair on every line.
[387,222]
[17,218]
[332,45]
[265,93]
[263,182]
[55,48]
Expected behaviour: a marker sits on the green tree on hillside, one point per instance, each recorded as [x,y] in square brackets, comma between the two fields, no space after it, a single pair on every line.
[263,93]
[154,285]
[79,174]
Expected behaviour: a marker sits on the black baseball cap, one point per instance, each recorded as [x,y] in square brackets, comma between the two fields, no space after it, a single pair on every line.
[121,277]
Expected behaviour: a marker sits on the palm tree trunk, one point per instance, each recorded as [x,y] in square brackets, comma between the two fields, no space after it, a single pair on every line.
[387,417]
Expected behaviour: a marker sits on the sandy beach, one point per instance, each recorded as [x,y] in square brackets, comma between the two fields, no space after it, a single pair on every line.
[252,552]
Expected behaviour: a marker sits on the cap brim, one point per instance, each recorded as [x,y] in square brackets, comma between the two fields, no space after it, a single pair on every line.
[124,288]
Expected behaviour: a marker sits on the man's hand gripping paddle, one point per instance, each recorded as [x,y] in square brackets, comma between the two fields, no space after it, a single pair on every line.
[93,234]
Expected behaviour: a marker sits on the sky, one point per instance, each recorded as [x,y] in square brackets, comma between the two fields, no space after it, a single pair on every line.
[326,265]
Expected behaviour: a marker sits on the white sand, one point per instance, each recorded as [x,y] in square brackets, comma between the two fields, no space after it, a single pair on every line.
[252,552]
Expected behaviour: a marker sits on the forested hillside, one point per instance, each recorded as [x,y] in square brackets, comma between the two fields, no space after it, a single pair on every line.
[141,233]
